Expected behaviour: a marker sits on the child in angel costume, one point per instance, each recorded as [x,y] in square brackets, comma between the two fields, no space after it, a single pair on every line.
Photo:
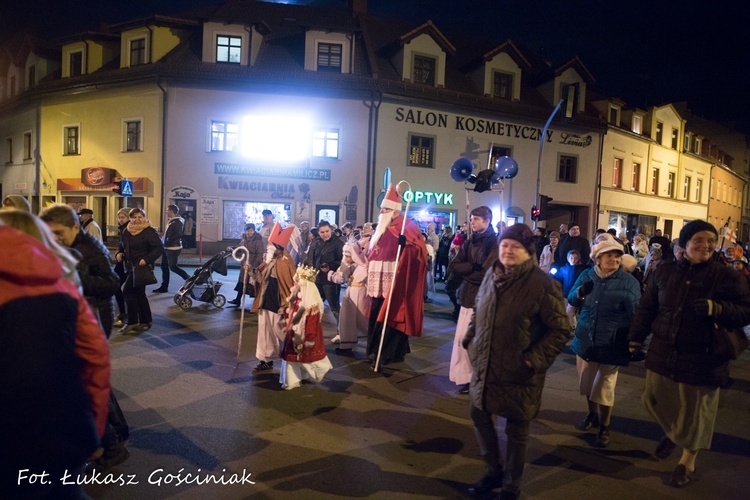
[355,307]
[304,354]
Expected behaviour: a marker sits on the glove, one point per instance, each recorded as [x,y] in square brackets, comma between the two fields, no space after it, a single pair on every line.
[477,268]
[585,289]
[324,267]
[706,307]
[402,240]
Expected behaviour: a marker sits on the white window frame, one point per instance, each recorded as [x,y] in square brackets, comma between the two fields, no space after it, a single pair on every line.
[575,168]
[637,124]
[435,61]
[671,181]
[65,150]
[70,62]
[28,145]
[686,185]
[229,48]
[145,50]
[224,134]
[125,132]
[698,189]
[332,69]
[324,140]
[617,171]
[511,85]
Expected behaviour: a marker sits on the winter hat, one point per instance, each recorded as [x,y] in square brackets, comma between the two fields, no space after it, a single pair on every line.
[629,262]
[692,227]
[554,234]
[656,248]
[605,243]
[521,233]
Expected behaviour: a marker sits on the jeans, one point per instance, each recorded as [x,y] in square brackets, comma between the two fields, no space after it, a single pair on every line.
[517,432]
[169,263]
[331,292]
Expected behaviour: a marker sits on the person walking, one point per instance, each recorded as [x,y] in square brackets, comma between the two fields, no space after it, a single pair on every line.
[252,241]
[140,246]
[172,241]
[518,329]
[89,225]
[443,250]
[122,223]
[684,301]
[355,307]
[547,256]
[326,256]
[474,258]
[607,296]
[273,295]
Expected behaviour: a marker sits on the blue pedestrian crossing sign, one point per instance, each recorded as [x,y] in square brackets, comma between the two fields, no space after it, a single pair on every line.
[126,187]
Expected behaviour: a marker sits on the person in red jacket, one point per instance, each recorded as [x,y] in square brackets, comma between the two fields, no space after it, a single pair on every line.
[55,388]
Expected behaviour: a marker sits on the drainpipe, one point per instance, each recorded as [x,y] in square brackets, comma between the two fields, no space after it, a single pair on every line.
[163,139]
[372,142]
[598,190]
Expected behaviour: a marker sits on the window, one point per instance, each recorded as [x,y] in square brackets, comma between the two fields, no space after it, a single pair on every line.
[133,135]
[421,151]
[424,70]
[698,190]
[635,182]
[655,181]
[637,124]
[614,115]
[686,146]
[697,146]
[675,135]
[8,150]
[617,173]
[567,170]
[228,49]
[686,188]
[27,146]
[326,143]
[224,136]
[658,132]
[32,76]
[671,184]
[72,141]
[76,64]
[502,85]
[329,57]
[138,52]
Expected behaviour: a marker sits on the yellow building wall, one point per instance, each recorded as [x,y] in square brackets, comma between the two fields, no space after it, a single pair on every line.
[725,199]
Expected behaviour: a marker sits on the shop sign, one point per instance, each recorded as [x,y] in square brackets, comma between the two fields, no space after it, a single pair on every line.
[283,171]
[182,192]
[278,190]
[428,197]
[96,176]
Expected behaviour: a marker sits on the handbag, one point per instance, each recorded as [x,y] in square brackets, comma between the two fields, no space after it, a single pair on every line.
[143,275]
[728,342]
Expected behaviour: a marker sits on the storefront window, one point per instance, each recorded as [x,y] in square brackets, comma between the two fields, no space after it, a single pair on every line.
[238,213]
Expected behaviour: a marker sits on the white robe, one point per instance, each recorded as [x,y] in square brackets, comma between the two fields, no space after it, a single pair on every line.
[460,367]
[355,306]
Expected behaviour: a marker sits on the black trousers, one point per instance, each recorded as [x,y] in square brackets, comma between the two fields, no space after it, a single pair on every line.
[136,302]
[169,263]
[395,344]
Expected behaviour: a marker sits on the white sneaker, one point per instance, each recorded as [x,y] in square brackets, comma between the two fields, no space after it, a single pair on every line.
[336,339]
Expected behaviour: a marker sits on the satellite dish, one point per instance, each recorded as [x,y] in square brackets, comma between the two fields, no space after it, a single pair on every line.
[461,169]
[386,179]
[506,168]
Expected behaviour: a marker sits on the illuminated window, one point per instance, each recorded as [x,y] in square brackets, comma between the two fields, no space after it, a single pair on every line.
[635,182]
[132,135]
[655,181]
[698,190]
[671,184]
[686,188]
[567,169]
[675,135]
[224,136]
[228,49]
[421,151]
[329,57]
[502,86]
[325,143]
[424,70]
[697,146]
[71,138]
[658,132]
[686,146]
[637,124]
[617,173]
[138,52]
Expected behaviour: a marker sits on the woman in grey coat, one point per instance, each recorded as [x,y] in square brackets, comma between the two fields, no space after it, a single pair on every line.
[518,329]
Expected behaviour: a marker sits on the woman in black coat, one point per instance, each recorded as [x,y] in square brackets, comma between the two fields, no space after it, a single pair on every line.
[684,372]
[140,246]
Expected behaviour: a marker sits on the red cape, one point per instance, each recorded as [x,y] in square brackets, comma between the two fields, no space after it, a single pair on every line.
[407,302]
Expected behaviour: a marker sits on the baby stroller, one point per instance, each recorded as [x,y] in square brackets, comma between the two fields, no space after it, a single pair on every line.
[201,285]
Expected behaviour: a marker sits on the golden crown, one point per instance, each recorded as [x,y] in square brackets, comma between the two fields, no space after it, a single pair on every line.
[307,273]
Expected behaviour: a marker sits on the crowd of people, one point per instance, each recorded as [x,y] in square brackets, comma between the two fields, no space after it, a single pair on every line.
[520,297]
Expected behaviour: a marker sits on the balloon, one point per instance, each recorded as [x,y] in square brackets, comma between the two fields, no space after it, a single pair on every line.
[461,169]
[506,167]
[386,178]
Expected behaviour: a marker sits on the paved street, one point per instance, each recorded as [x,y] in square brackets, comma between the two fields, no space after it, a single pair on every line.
[194,408]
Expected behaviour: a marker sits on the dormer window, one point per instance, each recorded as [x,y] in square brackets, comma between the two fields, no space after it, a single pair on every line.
[637,124]
[32,76]
[75,62]
[614,115]
[424,70]
[228,49]
[686,146]
[697,146]
[330,56]
[138,51]
[502,87]
[658,132]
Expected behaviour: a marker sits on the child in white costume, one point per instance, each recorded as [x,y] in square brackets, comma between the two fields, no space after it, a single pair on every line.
[355,306]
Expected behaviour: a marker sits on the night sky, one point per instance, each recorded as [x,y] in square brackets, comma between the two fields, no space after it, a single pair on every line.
[645,52]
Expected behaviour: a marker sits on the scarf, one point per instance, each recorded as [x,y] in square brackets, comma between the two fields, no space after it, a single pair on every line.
[137,229]
[602,274]
[502,275]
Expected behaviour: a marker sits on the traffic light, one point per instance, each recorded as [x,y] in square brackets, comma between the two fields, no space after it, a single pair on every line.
[544,207]
[117,188]
[534,213]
